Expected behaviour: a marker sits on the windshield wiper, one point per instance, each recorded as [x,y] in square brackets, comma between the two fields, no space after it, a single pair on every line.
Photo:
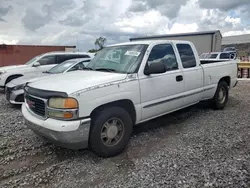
[105,69]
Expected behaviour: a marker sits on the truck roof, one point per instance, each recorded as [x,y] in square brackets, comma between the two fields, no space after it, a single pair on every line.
[151,42]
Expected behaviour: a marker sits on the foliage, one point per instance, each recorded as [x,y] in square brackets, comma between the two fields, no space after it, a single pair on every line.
[100,42]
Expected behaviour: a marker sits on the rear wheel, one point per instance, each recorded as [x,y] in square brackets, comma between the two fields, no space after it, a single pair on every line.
[110,132]
[221,96]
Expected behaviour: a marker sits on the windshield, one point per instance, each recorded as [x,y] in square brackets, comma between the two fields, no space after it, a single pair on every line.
[32,60]
[120,59]
[61,67]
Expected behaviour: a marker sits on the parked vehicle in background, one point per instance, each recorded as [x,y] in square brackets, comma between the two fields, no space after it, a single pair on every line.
[38,64]
[14,92]
[217,57]
[97,108]
[229,49]
[204,55]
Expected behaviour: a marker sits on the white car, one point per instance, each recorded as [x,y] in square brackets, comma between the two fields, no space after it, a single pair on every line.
[97,108]
[217,57]
[38,64]
[14,92]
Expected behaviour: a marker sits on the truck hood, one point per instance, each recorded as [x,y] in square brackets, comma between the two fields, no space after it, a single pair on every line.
[13,67]
[74,81]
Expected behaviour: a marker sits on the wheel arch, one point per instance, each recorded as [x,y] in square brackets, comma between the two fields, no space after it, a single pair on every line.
[227,79]
[12,76]
[126,104]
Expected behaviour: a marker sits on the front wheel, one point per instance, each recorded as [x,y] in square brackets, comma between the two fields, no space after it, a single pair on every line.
[221,96]
[110,131]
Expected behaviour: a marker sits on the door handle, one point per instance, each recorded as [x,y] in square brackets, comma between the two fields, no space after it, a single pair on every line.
[179,78]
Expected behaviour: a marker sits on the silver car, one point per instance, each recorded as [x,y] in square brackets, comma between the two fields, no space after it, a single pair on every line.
[14,92]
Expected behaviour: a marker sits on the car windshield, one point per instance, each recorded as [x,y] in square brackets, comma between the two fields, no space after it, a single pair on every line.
[119,59]
[61,67]
[32,60]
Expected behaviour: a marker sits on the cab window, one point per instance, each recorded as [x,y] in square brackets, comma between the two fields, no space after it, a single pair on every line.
[163,53]
[187,55]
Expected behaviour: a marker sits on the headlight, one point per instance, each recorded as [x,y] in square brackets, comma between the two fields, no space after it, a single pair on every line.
[63,108]
[63,103]
[19,87]
[2,72]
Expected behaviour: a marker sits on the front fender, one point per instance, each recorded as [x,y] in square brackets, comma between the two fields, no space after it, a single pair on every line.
[90,100]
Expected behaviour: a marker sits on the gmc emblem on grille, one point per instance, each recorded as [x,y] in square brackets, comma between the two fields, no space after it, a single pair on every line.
[31,104]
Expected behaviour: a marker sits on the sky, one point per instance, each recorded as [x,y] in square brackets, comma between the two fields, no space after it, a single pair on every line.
[80,22]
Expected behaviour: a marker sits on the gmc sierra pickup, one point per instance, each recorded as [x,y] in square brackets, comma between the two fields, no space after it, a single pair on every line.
[125,84]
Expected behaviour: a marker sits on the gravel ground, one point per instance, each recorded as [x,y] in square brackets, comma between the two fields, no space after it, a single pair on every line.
[195,147]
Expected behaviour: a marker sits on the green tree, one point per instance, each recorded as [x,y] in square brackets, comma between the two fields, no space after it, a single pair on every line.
[100,42]
[93,50]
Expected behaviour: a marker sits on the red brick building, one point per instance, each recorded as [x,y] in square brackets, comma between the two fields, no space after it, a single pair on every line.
[20,54]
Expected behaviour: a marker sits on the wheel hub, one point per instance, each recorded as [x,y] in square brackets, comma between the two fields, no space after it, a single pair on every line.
[112,131]
[222,95]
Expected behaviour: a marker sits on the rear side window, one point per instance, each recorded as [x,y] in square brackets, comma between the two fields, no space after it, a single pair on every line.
[187,55]
[225,56]
[163,53]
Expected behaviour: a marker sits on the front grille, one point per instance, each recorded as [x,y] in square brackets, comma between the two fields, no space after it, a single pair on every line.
[36,105]
[7,92]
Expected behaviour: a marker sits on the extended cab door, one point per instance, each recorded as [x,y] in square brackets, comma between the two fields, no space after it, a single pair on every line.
[161,93]
[192,73]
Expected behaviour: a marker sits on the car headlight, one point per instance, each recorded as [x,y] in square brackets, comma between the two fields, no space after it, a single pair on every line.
[19,87]
[2,72]
[63,103]
[63,108]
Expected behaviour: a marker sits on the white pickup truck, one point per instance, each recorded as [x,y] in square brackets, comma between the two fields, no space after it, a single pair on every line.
[97,107]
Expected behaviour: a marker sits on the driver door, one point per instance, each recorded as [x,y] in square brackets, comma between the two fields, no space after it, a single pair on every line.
[161,93]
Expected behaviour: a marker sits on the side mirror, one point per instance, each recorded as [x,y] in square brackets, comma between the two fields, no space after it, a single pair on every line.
[36,64]
[155,68]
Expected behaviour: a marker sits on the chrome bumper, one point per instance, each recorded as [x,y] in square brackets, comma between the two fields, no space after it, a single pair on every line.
[67,134]
[73,139]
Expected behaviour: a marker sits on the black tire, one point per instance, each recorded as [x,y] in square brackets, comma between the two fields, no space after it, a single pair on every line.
[96,142]
[217,102]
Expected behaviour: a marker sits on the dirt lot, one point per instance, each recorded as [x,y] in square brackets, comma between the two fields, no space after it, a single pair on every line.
[195,147]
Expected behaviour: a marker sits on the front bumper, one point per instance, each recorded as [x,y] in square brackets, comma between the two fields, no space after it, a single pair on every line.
[67,134]
[14,96]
